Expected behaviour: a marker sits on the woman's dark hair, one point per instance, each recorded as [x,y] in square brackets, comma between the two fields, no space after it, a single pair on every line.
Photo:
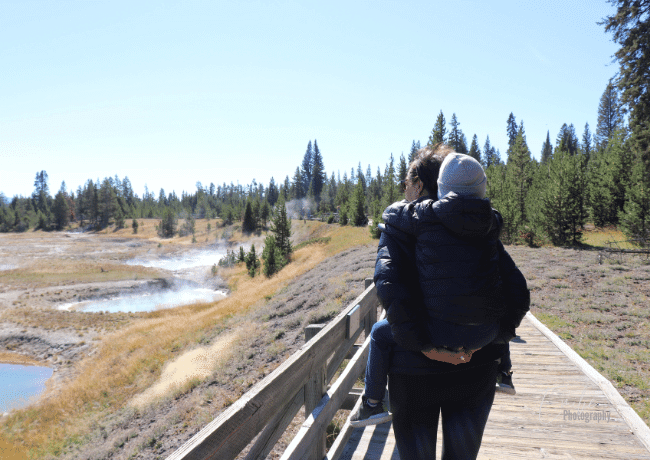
[425,166]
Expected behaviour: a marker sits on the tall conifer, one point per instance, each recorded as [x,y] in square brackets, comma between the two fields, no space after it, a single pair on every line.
[439,131]
[475,151]
[547,150]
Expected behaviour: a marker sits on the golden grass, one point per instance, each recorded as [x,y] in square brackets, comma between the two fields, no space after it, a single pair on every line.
[129,361]
[606,238]
[52,273]
[8,357]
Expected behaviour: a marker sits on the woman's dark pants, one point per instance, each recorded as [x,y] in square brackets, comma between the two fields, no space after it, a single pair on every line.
[417,400]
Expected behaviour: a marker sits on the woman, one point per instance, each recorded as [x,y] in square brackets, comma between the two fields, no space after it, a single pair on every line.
[455,273]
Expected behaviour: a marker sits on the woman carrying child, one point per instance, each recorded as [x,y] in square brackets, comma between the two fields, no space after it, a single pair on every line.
[453,297]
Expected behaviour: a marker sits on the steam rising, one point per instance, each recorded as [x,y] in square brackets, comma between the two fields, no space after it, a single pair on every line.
[182,292]
[147,302]
[300,208]
[184,262]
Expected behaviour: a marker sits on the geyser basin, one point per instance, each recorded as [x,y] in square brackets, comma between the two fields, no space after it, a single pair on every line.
[147,302]
[19,385]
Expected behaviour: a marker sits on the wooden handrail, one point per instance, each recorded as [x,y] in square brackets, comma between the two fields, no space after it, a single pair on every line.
[272,403]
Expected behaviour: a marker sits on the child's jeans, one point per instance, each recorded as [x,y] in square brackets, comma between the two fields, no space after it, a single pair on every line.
[381,346]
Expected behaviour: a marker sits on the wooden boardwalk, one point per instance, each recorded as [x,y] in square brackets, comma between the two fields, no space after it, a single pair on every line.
[553,386]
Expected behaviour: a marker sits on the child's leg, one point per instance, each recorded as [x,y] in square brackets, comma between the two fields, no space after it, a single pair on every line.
[504,375]
[381,343]
[506,362]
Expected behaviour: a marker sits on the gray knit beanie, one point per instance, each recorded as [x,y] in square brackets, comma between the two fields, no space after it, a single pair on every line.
[462,175]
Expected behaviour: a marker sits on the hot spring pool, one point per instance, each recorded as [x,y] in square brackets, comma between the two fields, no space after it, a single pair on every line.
[19,384]
[147,302]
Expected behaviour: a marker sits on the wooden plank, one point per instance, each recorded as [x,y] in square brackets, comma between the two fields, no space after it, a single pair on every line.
[376,442]
[323,414]
[235,428]
[636,423]
[353,321]
[341,441]
[311,330]
[275,428]
[315,388]
[343,437]
[341,353]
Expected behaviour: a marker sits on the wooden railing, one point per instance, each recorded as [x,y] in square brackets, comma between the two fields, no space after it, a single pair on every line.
[266,410]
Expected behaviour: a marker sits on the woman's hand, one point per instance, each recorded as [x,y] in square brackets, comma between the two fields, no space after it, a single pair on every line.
[452,357]
[447,356]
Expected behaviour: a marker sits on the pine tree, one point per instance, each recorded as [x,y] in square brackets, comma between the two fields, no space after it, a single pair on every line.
[281,228]
[547,150]
[318,175]
[61,209]
[635,217]
[438,133]
[272,257]
[608,178]
[41,195]
[390,188]
[414,151]
[556,207]
[273,193]
[167,226]
[134,226]
[609,115]
[462,148]
[252,262]
[631,30]
[515,188]
[630,26]
[491,158]
[356,208]
[248,224]
[402,168]
[361,178]
[512,130]
[475,151]
[297,190]
[567,139]
[454,139]
[107,203]
[306,169]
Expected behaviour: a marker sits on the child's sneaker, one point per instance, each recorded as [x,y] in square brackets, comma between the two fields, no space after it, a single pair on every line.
[504,383]
[367,415]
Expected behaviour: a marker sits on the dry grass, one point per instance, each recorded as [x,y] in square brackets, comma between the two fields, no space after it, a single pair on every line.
[50,319]
[127,362]
[609,237]
[15,358]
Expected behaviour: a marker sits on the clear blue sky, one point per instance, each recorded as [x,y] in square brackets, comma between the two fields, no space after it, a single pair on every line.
[171,93]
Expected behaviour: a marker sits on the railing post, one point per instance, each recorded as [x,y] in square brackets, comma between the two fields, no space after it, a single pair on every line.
[315,388]
[371,319]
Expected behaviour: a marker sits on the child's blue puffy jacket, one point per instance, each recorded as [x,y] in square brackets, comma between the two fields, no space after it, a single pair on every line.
[459,273]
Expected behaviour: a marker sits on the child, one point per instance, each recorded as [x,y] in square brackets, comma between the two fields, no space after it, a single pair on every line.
[455,321]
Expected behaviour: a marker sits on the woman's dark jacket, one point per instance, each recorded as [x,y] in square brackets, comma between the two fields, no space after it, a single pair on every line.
[461,266]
